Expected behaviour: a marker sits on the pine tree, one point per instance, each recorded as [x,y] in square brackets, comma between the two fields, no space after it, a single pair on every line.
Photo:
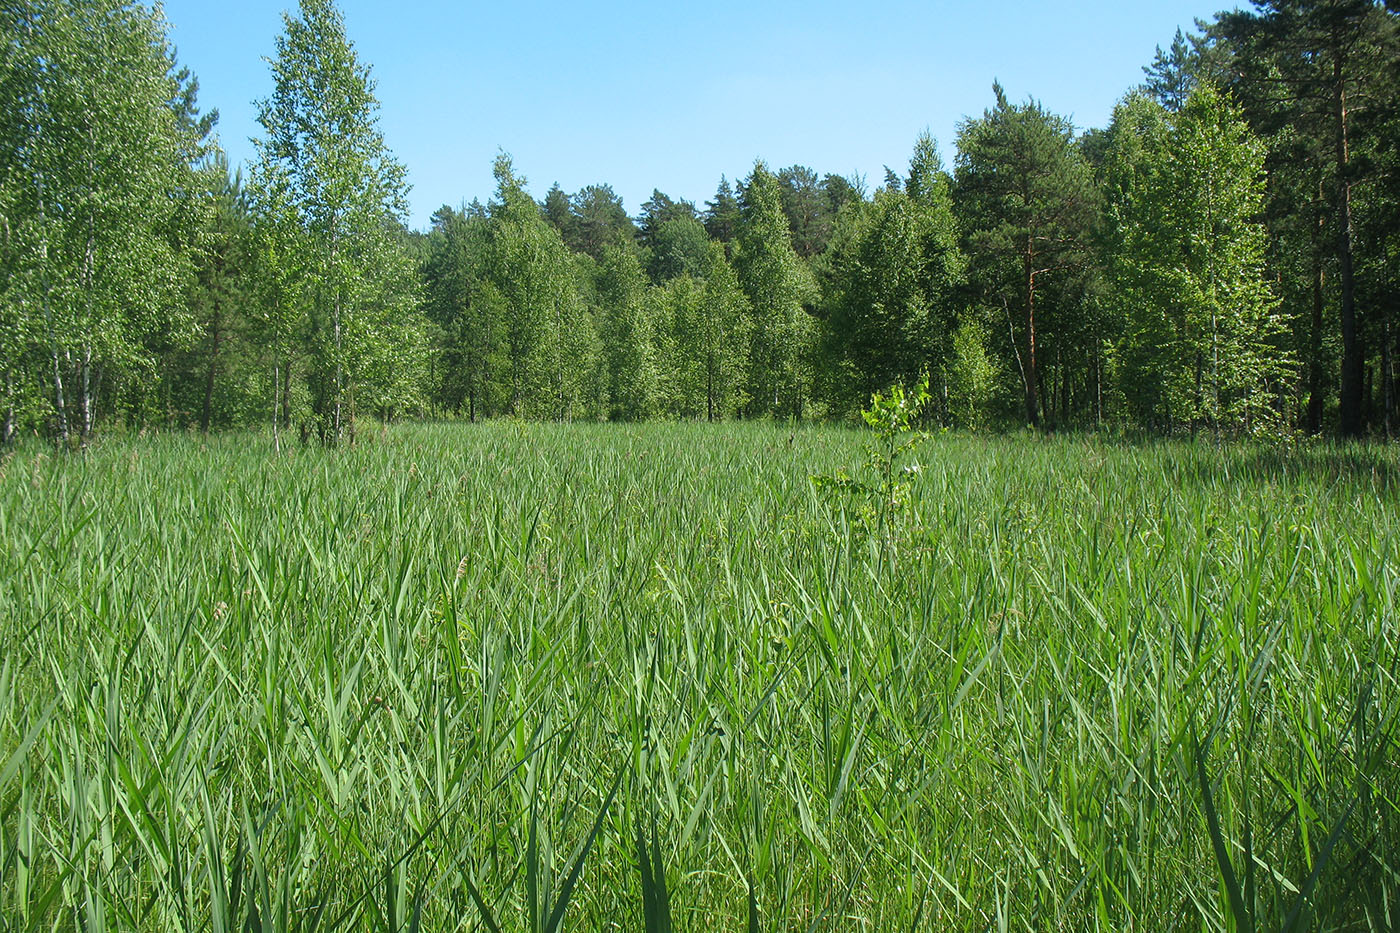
[722,214]
[1026,201]
[559,211]
[1316,68]
[599,221]
[1174,74]
[466,307]
[219,299]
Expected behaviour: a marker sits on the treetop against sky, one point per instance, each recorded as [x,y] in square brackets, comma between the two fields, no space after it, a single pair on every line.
[670,96]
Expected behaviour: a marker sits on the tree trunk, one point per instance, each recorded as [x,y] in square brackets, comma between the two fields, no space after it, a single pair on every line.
[276,434]
[1368,394]
[1098,383]
[60,408]
[7,431]
[216,337]
[287,394]
[338,376]
[1316,373]
[1351,421]
[1392,346]
[710,391]
[85,396]
[1032,387]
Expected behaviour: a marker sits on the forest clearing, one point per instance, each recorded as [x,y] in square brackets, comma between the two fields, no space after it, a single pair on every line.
[537,677]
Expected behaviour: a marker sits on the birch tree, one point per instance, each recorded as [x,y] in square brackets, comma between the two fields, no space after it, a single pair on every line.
[328,184]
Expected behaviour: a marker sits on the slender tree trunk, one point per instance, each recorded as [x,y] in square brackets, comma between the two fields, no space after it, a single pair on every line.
[1031,380]
[216,336]
[338,375]
[1098,383]
[1316,373]
[85,395]
[1392,344]
[710,390]
[1368,394]
[95,392]
[276,433]
[1352,423]
[7,431]
[287,394]
[60,408]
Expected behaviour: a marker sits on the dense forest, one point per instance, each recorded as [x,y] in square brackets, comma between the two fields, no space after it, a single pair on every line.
[1222,258]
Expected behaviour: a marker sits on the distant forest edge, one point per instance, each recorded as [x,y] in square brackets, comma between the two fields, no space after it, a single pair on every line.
[1224,257]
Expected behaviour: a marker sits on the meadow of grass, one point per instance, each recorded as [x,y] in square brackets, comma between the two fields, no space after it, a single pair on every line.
[539,677]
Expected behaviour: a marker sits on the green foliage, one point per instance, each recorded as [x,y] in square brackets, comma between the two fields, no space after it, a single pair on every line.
[92,160]
[680,246]
[778,285]
[702,328]
[878,503]
[550,338]
[1202,344]
[1222,258]
[722,214]
[465,307]
[1026,202]
[328,189]
[1317,77]
[627,332]
[599,222]
[974,378]
[214,382]
[1175,73]
[890,282]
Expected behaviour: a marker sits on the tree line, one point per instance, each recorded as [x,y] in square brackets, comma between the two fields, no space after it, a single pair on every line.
[1222,257]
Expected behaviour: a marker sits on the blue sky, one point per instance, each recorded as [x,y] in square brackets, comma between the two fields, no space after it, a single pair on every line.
[672,95]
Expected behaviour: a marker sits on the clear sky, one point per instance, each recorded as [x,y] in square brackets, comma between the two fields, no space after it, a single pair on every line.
[671,95]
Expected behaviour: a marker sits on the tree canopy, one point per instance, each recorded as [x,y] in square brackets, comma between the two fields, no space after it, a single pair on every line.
[1221,257]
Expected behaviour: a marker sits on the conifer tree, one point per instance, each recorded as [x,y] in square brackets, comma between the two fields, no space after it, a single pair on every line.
[1026,201]
[466,307]
[1317,70]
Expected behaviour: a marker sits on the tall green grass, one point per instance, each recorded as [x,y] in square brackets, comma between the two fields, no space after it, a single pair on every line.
[531,677]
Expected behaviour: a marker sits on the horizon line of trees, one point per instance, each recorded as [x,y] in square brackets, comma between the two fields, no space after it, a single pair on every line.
[1223,257]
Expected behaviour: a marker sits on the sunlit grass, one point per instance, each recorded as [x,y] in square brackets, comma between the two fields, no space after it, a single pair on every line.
[540,677]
